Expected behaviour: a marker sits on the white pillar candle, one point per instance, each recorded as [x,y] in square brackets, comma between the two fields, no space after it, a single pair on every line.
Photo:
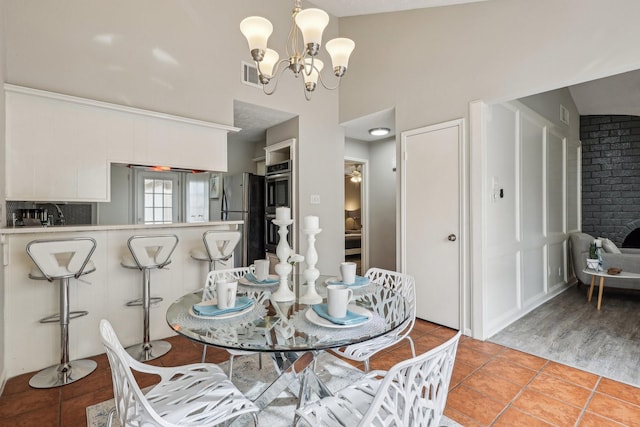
[283,214]
[311,222]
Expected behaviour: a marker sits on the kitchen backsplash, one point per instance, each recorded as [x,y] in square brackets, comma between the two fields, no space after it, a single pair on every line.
[74,213]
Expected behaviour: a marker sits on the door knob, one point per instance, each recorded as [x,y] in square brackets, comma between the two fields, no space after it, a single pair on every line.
[451,237]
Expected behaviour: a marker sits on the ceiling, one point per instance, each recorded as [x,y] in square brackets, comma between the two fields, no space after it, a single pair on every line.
[254,121]
[617,94]
[342,8]
[359,128]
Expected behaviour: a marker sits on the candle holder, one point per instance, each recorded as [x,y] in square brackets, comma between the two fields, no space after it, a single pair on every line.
[311,273]
[283,268]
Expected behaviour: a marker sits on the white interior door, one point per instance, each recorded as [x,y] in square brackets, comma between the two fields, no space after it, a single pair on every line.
[431,219]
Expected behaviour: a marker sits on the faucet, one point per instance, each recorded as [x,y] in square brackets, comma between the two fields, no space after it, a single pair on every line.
[61,219]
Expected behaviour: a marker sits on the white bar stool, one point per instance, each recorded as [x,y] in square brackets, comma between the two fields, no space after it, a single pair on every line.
[218,245]
[62,259]
[147,253]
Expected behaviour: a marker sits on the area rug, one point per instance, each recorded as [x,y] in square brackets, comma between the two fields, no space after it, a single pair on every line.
[251,381]
[571,331]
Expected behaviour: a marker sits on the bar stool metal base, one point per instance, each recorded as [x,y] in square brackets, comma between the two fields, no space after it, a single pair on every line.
[59,375]
[140,302]
[145,352]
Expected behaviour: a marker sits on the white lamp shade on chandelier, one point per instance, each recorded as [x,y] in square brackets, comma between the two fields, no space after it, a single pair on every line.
[257,31]
[340,50]
[313,66]
[269,62]
[312,23]
[308,24]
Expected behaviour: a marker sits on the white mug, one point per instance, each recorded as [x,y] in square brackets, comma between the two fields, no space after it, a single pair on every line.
[261,267]
[338,297]
[226,293]
[348,272]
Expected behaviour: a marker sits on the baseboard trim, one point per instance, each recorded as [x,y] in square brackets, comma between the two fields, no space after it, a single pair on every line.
[3,380]
[514,315]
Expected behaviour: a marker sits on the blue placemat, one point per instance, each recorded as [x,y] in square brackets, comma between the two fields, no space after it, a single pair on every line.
[214,310]
[360,281]
[350,319]
[253,279]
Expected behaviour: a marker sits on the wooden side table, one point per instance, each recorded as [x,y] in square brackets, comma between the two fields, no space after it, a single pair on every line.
[603,275]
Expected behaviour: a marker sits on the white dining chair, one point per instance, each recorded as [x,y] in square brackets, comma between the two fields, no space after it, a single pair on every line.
[193,395]
[209,293]
[398,282]
[412,393]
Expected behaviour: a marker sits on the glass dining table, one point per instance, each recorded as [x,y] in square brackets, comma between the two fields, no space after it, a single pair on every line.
[291,332]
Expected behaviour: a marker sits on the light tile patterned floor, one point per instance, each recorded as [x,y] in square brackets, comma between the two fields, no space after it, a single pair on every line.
[491,385]
[498,386]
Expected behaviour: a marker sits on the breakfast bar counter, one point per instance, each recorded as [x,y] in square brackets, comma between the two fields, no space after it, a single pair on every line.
[221,225]
[30,345]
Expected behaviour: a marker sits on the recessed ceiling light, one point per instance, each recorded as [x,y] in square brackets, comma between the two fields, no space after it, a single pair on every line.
[379,131]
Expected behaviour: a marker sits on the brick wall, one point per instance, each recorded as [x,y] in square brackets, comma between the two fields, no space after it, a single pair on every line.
[610,175]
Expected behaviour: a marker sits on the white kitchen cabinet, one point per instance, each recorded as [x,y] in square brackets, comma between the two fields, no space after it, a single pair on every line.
[59,147]
[51,154]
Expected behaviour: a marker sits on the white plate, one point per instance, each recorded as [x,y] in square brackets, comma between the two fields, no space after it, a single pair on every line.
[220,316]
[247,282]
[313,317]
[336,281]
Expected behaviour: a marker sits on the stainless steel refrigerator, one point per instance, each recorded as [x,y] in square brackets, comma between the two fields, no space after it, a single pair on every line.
[243,199]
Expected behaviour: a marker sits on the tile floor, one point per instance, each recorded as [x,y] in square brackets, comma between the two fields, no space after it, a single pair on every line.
[491,386]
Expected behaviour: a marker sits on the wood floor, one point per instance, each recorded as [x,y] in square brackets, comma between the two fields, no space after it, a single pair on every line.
[491,385]
[607,339]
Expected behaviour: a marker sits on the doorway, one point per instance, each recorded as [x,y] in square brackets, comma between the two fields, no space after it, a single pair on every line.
[355,213]
[374,156]
[157,196]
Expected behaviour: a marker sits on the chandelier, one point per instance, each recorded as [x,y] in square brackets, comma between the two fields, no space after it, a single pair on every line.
[308,25]
[356,176]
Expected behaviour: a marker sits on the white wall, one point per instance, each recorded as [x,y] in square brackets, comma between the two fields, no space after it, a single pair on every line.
[382,216]
[240,156]
[2,186]
[283,131]
[547,104]
[119,210]
[525,210]
[382,196]
[432,63]
[182,58]
[495,51]
[356,149]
